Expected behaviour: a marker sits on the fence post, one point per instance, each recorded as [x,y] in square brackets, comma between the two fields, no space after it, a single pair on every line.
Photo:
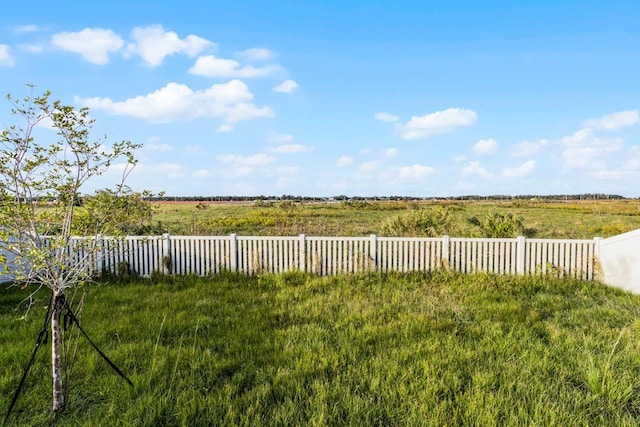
[520,254]
[233,252]
[101,253]
[165,256]
[596,268]
[596,248]
[373,248]
[445,261]
[302,251]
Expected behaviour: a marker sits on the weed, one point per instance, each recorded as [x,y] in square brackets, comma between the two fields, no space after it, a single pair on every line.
[545,219]
[377,348]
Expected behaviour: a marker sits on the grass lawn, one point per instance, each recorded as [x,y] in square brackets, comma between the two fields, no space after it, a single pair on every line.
[369,349]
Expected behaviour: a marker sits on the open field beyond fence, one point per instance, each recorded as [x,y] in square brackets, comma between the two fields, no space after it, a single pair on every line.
[572,219]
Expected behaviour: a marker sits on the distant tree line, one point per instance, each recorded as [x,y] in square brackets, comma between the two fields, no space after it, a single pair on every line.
[340,198]
[79,200]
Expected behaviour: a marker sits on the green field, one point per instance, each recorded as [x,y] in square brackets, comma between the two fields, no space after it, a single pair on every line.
[370,349]
[543,219]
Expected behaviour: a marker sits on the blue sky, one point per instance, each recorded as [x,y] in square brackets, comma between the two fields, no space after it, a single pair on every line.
[345,97]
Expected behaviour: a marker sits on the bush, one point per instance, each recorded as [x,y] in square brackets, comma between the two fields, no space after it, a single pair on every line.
[496,224]
[430,222]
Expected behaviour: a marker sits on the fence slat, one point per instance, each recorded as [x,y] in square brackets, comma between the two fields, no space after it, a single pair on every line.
[202,255]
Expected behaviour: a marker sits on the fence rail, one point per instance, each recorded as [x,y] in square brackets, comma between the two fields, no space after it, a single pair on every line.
[334,255]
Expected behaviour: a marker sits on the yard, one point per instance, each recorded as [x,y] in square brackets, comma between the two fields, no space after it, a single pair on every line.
[365,349]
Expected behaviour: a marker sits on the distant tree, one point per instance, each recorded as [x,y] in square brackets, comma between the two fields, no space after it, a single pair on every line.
[39,212]
[131,210]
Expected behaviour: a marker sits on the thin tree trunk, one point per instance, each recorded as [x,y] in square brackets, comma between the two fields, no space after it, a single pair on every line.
[56,344]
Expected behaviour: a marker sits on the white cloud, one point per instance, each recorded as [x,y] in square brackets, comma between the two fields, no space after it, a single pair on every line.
[201,174]
[629,170]
[230,102]
[520,171]
[210,66]
[608,174]
[275,137]
[344,161]
[93,44]
[241,166]
[6,60]
[154,43]
[259,159]
[46,123]
[286,86]
[369,166]
[584,150]
[116,169]
[526,148]
[632,162]
[413,172]
[390,152]
[285,180]
[466,187]
[170,170]
[287,170]
[386,117]
[194,150]
[438,122]
[20,29]
[290,148]
[31,47]
[474,168]
[485,146]
[255,54]
[224,128]
[614,121]
[459,159]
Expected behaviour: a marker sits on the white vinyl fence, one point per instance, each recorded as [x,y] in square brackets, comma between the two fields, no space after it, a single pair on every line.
[619,258]
[334,255]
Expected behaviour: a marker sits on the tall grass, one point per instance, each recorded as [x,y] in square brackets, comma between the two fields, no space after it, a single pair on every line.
[369,349]
[571,220]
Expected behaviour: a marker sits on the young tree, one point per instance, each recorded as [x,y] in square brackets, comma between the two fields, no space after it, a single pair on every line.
[40,182]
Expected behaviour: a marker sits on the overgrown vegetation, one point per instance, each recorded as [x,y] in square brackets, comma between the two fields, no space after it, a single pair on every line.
[370,349]
[534,218]
[496,224]
[430,222]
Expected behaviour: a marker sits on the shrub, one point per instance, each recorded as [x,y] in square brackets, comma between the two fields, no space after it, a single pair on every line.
[429,222]
[496,224]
